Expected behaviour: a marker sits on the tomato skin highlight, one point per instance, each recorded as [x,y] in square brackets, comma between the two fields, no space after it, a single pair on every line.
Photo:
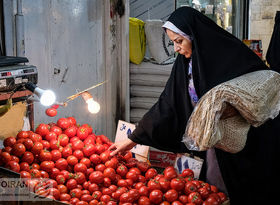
[51,112]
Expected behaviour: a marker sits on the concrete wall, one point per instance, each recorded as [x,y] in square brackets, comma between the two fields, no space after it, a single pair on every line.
[262,14]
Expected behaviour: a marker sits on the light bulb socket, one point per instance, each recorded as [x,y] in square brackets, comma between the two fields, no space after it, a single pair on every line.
[30,86]
[86,96]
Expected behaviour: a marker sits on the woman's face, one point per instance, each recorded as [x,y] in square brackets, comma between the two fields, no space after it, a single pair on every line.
[182,45]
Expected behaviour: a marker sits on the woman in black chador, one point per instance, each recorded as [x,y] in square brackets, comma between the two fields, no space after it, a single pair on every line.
[207,56]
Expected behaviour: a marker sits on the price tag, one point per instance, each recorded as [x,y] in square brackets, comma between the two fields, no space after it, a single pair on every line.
[184,161]
[124,129]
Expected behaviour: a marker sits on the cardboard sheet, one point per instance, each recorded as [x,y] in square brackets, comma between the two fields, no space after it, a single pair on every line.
[12,122]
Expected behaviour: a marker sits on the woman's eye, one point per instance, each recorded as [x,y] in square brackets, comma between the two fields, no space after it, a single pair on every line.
[179,41]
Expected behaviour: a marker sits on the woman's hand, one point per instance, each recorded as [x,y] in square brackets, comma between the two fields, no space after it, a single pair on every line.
[122,146]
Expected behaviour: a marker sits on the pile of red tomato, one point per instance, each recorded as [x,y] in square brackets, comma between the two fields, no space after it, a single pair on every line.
[79,170]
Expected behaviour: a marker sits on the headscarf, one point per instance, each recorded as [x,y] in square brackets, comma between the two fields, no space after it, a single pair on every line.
[217,56]
[273,51]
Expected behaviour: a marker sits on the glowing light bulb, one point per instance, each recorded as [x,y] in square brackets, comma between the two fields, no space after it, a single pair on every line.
[48,98]
[93,106]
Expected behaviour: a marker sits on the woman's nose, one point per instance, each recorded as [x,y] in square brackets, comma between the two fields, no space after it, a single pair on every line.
[176,47]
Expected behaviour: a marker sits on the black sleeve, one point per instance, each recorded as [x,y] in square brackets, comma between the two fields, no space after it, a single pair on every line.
[164,124]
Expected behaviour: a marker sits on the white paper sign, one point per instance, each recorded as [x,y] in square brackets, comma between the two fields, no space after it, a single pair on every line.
[124,129]
[183,162]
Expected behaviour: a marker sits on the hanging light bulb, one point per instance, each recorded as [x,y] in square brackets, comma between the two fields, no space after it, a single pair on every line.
[47,97]
[93,106]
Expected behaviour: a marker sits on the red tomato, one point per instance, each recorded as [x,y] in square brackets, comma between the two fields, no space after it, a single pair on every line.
[71,131]
[14,166]
[56,154]
[63,139]
[99,148]
[187,173]
[214,189]
[96,195]
[171,174]
[24,166]
[14,158]
[107,182]
[88,150]
[51,183]
[72,121]
[151,173]
[113,163]
[171,195]
[63,123]
[80,177]
[18,149]
[22,134]
[65,197]
[54,144]
[71,184]
[82,133]
[96,177]
[42,129]
[183,199]
[37,147]
[61,164]
[51,112]
[77,145]
[100,167]
[54,173]
[5,157]
[89,128]
[25,174]
[55,193]
[222,196]
[177,183]
[156,196]
[45,155]
[143,191]
[126,198]
[57,130]
[153,184]
[190,187]
[110,173]
[93,187]
[76,193]
[90,139]
[47,166]
[144,200]
[85,161]
[164,184]
[28,143]
[79,154]
[95,159]
[44,174]
[35,137]
[105,198]
[9,142]
[194,197]
[204,193]
[45,144]
[143,166]
[51,136]
[80,167]
[60,179]
[72,160]
[62,188]
[27,157]
[66,152]
[104,156]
